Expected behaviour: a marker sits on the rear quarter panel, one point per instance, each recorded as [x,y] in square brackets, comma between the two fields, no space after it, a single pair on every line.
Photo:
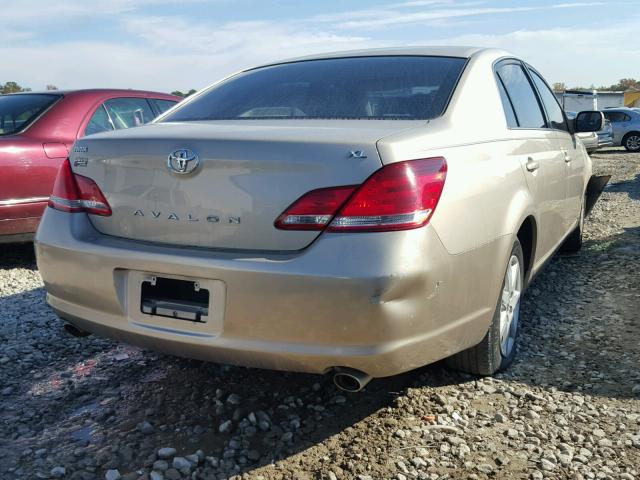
[26,171]
[25,184]
[486,195]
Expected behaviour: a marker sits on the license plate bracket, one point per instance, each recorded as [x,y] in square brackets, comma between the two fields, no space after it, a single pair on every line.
[174,298]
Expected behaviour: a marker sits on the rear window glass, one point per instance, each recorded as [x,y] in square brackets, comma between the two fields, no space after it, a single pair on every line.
[392,87]
[17,112]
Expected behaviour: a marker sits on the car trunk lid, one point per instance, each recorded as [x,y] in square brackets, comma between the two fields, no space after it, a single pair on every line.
[249,173]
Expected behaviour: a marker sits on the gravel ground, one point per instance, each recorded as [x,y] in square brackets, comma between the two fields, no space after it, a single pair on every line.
[569,407]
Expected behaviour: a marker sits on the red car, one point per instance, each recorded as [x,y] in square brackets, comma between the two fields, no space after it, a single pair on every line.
[37,131]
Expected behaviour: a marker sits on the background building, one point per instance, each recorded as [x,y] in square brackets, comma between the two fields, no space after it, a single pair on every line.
[632,99]
[577,100]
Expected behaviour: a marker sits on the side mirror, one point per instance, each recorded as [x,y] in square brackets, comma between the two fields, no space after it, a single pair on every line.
[588,121]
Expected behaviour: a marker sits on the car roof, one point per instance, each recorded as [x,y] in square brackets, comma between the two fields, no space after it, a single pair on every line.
[620,109]
[96,91]
[435,51]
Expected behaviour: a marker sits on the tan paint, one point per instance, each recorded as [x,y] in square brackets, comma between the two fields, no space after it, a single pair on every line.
[382,303]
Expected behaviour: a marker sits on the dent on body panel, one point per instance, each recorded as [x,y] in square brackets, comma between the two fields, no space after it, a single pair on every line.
[411,293]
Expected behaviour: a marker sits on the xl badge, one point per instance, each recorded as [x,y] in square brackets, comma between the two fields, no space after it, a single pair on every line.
[357,154]
[183,161]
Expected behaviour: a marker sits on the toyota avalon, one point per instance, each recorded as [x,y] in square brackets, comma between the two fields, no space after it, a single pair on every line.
[361,213]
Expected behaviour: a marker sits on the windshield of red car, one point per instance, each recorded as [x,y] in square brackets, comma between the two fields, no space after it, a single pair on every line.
[17,112]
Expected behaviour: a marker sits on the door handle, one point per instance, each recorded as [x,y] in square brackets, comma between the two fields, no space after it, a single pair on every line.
[532,165]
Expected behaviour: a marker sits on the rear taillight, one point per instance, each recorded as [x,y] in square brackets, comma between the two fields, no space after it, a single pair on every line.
[75,193]
[399,196]
[314,210]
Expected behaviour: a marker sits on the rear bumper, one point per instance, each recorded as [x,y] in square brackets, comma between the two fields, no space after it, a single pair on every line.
[382,303]
[590,144]
[605,141]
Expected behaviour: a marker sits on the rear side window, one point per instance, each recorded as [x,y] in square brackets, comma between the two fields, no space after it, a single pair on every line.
[617,116]
[129,112]
[99,122]
[512,122]
[554,112]
[523,98]
[17,112]
[386,87]
[162,105]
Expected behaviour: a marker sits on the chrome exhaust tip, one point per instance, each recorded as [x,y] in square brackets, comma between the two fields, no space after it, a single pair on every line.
[75,331]
[350,379]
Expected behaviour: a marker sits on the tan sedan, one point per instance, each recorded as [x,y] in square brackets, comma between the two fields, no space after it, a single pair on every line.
[361,213]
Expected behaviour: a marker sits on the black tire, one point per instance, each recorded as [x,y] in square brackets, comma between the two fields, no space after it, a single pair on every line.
[631,142]
[573,243]
[487,357]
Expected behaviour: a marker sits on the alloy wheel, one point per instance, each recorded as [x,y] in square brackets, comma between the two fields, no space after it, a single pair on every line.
[510,306]
[633,142]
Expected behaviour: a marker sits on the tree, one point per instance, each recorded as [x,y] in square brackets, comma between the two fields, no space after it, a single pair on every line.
[12,87]
[559,87]
[623,85]
[51,87]
[178,93]
[626,84]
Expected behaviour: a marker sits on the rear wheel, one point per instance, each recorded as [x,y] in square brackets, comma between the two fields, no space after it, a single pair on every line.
[497,349]
[631,142]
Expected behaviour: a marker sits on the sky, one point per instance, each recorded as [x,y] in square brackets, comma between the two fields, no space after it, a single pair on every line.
[165,46]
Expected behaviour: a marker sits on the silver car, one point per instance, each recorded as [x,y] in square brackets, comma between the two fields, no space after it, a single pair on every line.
[361,213]
[626,127]
[605,135]
[594,140]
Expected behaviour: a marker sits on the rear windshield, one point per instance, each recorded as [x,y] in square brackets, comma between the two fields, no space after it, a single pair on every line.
[17,112]
[392,87]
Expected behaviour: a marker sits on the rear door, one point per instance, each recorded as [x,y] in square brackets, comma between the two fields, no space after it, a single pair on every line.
[572,154]
[619,124]
[541,157]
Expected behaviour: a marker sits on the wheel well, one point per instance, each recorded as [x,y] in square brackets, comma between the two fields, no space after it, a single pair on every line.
[527,235]
[632,132]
